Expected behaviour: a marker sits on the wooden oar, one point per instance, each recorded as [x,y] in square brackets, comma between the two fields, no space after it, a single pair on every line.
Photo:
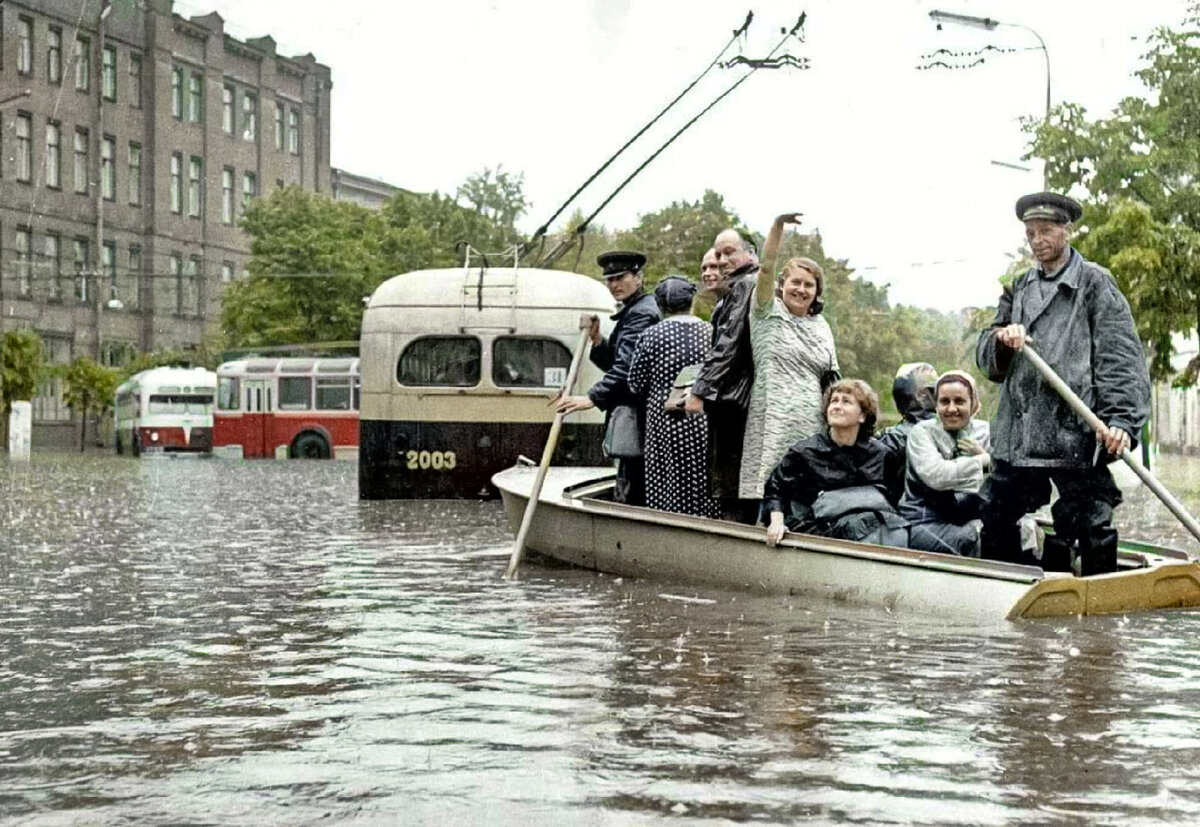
[1088,416]
[547,454]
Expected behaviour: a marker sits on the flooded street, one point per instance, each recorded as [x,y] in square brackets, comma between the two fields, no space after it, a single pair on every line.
[209,642]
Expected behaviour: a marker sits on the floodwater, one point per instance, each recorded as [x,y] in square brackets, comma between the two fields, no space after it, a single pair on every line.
[202,642]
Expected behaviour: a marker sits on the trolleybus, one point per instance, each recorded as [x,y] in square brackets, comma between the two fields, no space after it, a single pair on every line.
[287,408]
[458,368]
[165,410]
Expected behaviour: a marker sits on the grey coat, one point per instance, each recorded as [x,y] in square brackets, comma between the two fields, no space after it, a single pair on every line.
[1084,330]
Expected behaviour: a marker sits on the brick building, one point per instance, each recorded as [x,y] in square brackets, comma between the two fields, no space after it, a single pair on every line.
[132,138]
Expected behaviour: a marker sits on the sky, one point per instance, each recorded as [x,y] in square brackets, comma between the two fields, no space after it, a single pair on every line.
[895,166]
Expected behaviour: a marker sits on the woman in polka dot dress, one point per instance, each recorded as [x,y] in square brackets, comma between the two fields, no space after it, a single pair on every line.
[676,447]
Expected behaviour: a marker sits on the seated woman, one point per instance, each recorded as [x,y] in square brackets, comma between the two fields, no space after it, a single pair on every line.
[947,460]
[832,482]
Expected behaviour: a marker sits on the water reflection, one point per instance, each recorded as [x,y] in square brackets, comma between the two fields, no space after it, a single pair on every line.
[190,641]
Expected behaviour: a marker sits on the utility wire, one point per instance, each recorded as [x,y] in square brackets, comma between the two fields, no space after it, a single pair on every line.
[542,230]
[565,244]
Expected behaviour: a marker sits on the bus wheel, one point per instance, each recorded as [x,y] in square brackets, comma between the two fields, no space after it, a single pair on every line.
[310,446]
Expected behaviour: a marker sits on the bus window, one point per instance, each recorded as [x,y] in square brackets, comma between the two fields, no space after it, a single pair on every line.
[228,393]
[180,403]
[295,393]
[333,394]
[529,362]
[447,361]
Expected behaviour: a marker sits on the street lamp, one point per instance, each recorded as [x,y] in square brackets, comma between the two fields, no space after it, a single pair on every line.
[987,23]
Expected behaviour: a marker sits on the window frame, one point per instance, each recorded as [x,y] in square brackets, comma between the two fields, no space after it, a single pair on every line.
[54,55]
[542,340]
[83,63]
[53,155]
[421,340]
[108,73]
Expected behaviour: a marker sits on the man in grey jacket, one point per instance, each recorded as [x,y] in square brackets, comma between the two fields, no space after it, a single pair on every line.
[1072,311]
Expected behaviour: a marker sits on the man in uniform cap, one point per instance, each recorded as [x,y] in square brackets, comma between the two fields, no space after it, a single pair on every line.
[1071,310]
[622,273]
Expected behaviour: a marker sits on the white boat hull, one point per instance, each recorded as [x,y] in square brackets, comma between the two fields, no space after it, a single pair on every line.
[572,526]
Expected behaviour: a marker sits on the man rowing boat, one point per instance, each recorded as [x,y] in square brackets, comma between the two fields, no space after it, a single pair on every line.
[1081,324]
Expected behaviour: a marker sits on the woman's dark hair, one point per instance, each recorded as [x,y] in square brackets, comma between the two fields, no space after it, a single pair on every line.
[813,269]
[866,398]
[674,294]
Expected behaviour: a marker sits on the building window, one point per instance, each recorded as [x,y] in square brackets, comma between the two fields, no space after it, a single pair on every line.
[176,183]
[174,271]
[249,188]
[293,132]
[133,279]
[81,269]
[135,81]
[191,286]
[48,405]
[108,271]
[108,73]
[227,96]
[135,174]
[50,253]
[108,170]
[227,196]
[83,63]
[25,45]
[195,173]
[227,269]
[176,92]
[249,116]
[54,55]
[81,160]
[24,157]
[53,155]
[278,125]
[196,97]
[21,244]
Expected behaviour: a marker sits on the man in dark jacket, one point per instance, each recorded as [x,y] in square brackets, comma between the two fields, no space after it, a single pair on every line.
[721,389]
[1071,310]
[639,310]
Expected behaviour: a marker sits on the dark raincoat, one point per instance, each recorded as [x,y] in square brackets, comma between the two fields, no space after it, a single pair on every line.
[614,355]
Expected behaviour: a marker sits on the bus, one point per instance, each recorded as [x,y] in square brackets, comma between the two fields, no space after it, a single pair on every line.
[458,369]
[165,410]
[281,408]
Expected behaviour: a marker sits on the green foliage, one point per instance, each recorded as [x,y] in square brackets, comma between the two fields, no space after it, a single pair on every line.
[201,357]
[88,388]
[1141,168]
[495,195]
[21,359]
[676,237]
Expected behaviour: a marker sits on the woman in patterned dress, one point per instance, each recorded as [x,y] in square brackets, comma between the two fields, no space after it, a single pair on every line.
[794,358]
[676,448]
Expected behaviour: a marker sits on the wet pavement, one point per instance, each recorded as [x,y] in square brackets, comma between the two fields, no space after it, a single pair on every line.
[206,642]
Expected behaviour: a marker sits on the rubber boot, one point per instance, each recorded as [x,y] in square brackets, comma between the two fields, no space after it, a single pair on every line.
[1098,551]
[1003,543]
[1056,554]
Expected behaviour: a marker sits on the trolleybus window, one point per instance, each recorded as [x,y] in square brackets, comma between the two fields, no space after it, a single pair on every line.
[333,394]
[295,393]
[527,362]
[180,403]
[448,361]
[229,393]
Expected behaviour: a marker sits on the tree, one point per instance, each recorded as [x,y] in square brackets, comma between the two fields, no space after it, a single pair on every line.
[88,389]
[1141,169]
[21,360]
[676,237]
[496,196]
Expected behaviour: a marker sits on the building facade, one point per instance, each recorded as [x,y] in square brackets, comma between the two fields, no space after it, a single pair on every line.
[358,189]
[133,139]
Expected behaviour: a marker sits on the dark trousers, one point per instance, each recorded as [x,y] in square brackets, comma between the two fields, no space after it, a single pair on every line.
[726,423]
[630,485]
[1082,515]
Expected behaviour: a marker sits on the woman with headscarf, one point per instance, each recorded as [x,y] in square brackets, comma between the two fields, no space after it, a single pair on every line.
[947,460]
[794,358]
[832,483]
[676,445]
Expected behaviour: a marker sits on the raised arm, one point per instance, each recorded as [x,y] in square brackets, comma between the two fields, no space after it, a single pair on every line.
[765,291]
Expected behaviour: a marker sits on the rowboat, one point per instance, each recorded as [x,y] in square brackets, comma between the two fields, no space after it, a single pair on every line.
[576,522]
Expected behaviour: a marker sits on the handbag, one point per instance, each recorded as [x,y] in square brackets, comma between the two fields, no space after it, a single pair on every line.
[623,435]
[680,389]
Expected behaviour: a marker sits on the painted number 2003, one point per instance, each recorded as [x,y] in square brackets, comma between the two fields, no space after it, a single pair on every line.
[424,460]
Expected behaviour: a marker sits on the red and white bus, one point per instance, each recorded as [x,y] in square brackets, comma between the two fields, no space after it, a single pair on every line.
[287,408]
[165,410]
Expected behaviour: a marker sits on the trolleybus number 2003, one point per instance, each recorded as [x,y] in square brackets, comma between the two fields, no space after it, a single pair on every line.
[427,460]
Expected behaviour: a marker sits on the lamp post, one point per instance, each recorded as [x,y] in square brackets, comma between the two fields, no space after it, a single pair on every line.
[989,24]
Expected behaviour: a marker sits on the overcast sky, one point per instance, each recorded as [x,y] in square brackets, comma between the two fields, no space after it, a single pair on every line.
[892,164]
